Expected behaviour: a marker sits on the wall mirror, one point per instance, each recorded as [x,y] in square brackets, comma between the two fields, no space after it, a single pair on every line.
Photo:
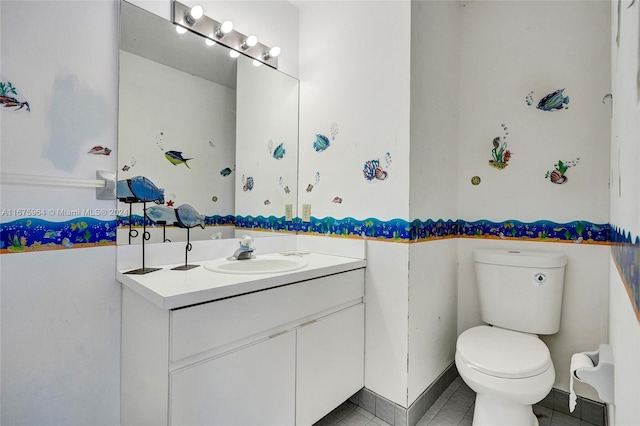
[215,133]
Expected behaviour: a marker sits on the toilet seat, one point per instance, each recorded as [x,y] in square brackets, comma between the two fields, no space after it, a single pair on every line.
[503,353]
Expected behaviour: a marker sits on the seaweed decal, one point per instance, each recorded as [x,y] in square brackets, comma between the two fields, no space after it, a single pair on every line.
[6,100]
[501,155]
[557,175]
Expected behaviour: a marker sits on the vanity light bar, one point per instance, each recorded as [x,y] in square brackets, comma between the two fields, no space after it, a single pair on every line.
[235,40]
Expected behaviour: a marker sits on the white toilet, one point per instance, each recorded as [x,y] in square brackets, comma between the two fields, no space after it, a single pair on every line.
[505,362]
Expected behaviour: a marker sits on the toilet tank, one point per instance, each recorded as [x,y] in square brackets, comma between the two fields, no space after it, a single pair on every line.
[520,290]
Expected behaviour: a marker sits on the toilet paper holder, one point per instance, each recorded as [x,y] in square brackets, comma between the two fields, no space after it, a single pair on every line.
[600,376]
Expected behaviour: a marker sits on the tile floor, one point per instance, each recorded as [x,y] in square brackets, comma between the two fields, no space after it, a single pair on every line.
[453,408]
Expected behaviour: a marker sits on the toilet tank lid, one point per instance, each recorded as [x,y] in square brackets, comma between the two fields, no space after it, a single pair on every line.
[535,259]
[503,353]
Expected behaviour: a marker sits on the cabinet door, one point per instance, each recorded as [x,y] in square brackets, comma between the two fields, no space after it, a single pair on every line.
[330,363]
[254,385]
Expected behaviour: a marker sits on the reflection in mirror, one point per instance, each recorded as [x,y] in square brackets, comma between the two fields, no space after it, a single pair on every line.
[229,154]
[266,147]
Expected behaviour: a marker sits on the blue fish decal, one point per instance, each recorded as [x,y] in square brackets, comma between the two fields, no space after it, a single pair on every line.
[175,158]
[139,188]
[161,215]
[321,143]
[188,217]
[279,152]
[553,101]
[225,172]
[66,243]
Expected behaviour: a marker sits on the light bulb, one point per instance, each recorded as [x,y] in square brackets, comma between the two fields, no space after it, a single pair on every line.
[256,63]
[196,12]
[209,42]
[272,53]
[225,28]
[234,53]
[249,42]
[180,30]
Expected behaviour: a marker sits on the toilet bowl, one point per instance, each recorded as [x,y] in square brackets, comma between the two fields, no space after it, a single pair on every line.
[509,371]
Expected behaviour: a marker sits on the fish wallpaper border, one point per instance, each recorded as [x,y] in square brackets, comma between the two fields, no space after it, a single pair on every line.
[579,231]
[625,252]
[270,224]
[33,234]
[400,230]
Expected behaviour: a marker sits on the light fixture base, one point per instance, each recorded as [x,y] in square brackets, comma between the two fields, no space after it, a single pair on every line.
[205,26]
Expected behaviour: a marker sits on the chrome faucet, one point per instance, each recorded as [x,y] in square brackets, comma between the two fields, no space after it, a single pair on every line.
[246,249]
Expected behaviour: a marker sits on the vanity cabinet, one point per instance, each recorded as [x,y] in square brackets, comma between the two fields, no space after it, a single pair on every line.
[282,356]
[330,367]
[250,386]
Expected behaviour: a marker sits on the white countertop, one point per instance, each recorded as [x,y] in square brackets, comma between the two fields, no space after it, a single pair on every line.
[169,289]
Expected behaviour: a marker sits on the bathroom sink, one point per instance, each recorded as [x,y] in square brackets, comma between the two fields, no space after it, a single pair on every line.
[268,264]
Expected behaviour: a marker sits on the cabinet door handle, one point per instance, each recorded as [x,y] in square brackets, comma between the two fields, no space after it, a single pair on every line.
[277,334]
[308,323]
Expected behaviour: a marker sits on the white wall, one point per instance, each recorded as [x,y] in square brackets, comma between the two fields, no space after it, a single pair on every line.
[433,312]
[60,309]
[363,88]
[433,265]
[435,105]
[624,321]
[73,104]
[386,326]
[60,338]
[507,50]
[624,337]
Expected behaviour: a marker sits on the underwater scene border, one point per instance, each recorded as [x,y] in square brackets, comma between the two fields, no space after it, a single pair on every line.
[625,251]
[36,234]
[400,230]
[32,234]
